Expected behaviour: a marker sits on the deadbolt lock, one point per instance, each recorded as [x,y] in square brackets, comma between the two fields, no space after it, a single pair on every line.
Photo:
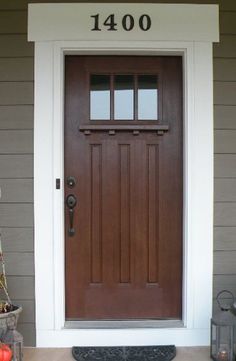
[71,182]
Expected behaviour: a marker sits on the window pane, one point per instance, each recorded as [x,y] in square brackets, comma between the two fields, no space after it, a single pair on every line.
[147,97]
[124,97]
[100,97]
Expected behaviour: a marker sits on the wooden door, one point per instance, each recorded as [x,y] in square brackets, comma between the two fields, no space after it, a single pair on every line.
[123,150]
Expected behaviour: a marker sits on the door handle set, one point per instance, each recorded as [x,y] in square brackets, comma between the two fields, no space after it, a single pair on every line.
[71,202]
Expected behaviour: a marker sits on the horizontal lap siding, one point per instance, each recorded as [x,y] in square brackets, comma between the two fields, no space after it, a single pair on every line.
[225,190]
[227,5]
[225,238]
[16,165]
[225,154]
[16,141]
[17,69]
[16,190]
[16,93]
[225,69]
[16,215]
[224,117]
[16,152]
[13,22]
[15,46]
[16,117]
[18,239]
[16,162]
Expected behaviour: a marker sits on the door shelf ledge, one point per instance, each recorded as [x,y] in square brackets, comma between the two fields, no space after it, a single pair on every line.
[160,129]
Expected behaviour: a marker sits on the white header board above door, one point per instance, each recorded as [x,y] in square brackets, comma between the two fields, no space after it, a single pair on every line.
[137,22]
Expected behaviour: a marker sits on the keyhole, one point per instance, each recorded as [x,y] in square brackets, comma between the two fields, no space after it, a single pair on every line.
[71,182]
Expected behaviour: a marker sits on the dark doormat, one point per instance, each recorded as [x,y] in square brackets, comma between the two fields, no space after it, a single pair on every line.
[129,353]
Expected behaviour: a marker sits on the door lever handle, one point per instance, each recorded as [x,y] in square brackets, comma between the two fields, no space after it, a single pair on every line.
[71,202]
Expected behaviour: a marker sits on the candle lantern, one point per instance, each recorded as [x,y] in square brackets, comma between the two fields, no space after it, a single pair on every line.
[223,330]
[13,338]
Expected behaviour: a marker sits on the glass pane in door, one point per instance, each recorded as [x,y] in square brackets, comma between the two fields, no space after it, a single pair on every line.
[100,97]
[124,97]
[147,97]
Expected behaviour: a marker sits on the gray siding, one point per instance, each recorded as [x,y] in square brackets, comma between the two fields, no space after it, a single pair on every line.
[16,152]
[225,153]
[16,162]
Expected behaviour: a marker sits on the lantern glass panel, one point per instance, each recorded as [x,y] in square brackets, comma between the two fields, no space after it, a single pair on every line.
[213,341]
[222,342]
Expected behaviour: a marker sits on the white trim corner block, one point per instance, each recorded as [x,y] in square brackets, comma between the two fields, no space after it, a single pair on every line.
[183,29]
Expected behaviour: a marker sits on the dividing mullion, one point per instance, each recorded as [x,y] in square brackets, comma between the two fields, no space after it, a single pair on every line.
[135,97]
[112,97]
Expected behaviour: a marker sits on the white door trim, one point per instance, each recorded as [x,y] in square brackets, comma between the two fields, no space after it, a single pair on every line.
[49,202]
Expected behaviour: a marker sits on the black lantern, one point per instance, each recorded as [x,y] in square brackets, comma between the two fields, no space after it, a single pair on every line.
[223,331]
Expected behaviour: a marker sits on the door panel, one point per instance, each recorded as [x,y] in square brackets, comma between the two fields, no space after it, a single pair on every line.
[125,259]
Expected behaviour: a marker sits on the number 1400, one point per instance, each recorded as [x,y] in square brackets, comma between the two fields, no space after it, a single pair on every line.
[127,22]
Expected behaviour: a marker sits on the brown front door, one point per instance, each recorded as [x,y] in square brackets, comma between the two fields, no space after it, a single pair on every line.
[123,150]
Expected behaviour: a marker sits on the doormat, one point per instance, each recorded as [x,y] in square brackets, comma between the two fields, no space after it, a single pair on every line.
[129,353]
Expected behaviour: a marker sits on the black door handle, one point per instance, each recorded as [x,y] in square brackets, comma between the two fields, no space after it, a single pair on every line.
[71,202]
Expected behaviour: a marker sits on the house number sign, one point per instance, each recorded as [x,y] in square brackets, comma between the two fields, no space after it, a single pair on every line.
[127,23]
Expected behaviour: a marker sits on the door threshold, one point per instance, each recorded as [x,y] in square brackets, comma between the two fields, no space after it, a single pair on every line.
[124,324]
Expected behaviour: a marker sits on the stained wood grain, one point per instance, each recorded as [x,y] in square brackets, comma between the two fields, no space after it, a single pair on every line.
[153,216]
[120,263]
[124,248]
[96,214]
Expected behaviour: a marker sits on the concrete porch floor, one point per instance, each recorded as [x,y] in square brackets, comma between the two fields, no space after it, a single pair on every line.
[64,354]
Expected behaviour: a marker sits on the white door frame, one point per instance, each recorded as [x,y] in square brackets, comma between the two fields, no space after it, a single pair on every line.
[49,201]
